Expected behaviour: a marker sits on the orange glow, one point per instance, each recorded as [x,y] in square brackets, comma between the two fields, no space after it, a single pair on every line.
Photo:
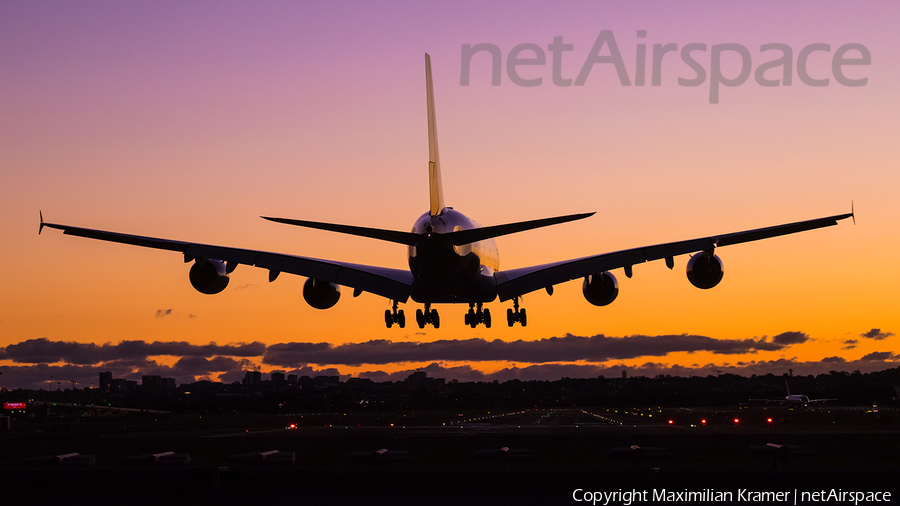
[194,131]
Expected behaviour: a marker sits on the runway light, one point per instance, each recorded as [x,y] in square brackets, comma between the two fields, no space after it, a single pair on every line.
[703,421]
[737,420]
[769,420]
[671,422]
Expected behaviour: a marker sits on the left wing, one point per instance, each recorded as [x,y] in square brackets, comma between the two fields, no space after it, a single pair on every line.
[516,282]
[391,283]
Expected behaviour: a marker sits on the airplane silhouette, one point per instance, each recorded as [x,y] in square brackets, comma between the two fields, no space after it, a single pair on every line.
[792,399]
[452,259]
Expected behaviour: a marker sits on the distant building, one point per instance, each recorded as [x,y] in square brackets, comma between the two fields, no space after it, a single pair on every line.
[105,382]
[292,379]
[417,378]
[252,378]
[420,378]
[278,382]
[151,384]
[328,380]
[154,384]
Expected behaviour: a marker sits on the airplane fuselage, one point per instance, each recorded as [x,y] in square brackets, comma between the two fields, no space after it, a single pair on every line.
[445,272]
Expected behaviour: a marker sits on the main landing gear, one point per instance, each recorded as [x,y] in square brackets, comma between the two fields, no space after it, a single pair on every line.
[473,317]
[429,316]
[516,316]
[392,316]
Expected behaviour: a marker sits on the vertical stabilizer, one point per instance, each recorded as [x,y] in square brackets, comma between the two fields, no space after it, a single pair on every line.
[788,387]
[435,189]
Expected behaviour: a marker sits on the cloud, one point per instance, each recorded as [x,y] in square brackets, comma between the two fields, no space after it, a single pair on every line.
[881,355]
[789,338]
[43,350]
[598,348]
[201,365]
[551,372]
[876,334]
[160,313]
[229,370]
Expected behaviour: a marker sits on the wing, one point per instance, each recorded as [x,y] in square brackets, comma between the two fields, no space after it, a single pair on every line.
[391,283]
[516,282]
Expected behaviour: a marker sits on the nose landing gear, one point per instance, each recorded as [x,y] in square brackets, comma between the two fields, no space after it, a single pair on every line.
[474,317]
[517,315]
[392,316]
[429,316]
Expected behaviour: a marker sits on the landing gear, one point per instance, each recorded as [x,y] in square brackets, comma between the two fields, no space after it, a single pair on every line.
[474,317]
[429,316]
[517,315]
[392,316]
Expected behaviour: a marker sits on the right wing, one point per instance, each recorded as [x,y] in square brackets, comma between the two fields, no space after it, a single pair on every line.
[516,282]
[394,284]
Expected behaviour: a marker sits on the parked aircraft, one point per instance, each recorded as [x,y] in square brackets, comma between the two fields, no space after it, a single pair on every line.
[452,259]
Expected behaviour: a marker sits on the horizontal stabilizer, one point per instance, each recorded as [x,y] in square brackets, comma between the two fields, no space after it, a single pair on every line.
[407,238]
[479,234]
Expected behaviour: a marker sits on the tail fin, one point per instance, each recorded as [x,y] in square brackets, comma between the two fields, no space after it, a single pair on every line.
[436,190]
[788,387]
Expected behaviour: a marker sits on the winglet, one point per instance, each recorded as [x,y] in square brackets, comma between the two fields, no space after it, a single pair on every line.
[436,189]
[41,228]
[852,213]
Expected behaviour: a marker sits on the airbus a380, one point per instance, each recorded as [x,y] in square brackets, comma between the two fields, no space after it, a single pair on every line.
[451,258]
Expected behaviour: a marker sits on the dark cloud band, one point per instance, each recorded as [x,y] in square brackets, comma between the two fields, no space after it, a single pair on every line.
[569,348]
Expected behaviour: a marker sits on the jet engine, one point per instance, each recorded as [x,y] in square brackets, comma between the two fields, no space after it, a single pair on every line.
[600,289]
[208,276]
[321,294]
[705,270]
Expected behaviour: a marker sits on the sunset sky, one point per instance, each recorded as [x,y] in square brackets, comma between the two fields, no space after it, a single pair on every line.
[189,120]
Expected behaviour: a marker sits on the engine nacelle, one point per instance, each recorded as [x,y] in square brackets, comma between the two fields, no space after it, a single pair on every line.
[321,294]
[600,289]
[705,270]
[208,276]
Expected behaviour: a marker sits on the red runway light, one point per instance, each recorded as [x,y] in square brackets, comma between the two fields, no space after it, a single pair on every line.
[703,421]
[671,422]
[769,420]
[737,420]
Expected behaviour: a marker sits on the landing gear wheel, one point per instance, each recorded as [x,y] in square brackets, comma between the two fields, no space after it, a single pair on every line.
[523,318]
[487,318]
[392,316]
[420,318]
[510,317]
[435,319]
